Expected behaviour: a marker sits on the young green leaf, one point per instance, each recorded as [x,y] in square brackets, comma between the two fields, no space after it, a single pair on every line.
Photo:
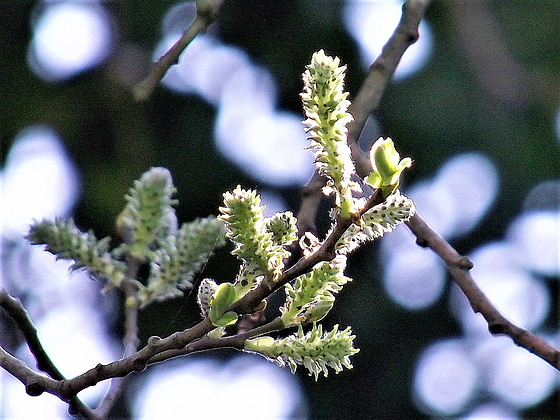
[223,297]
[387,166]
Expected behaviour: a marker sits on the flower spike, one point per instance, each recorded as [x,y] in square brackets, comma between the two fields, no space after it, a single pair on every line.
[325,104]
[314,350]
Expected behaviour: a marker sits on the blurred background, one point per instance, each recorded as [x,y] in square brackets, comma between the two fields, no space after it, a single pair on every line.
[475,102]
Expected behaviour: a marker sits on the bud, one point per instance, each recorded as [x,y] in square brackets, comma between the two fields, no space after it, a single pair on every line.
[387,165]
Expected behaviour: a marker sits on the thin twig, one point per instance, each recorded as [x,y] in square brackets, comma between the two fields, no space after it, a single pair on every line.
[37,384]
[15,310]
[206,12]
[236,341]
[311,195]
[380,73]
[34,382]
[130,341]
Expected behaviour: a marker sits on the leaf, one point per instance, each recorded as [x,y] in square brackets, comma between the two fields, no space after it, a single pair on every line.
[229,318]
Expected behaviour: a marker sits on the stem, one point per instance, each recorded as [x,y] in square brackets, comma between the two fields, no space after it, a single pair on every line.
[66,389]
[130,340]
[137,362]
[380,73]
[208,343]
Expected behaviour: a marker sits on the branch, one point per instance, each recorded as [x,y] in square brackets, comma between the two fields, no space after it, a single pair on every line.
[459,267]
[195,339]
[17,312]
[66,389]
[236,341]
[206,12]
[311,195]
[380,73]
[134,363]
[366,102]
[34,382]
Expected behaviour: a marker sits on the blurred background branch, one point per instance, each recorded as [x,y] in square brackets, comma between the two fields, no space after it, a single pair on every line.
[206,12]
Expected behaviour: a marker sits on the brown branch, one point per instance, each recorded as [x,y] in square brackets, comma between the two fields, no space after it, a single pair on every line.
[17,312]
[367,101]
[66,389]
[459,267]
[380,73]
[206,12]
[134,363]
[311,195]
[236,341]
[34,382]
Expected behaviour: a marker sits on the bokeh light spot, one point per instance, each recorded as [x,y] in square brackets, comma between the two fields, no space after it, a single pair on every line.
[273,202]
[543,196]
[513,374]
[491,411]
[414,279]
[69,38]
[436,204]
[537,236]
[445,378]
[472,181]
[275,393]
[268,146]
[38,181]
